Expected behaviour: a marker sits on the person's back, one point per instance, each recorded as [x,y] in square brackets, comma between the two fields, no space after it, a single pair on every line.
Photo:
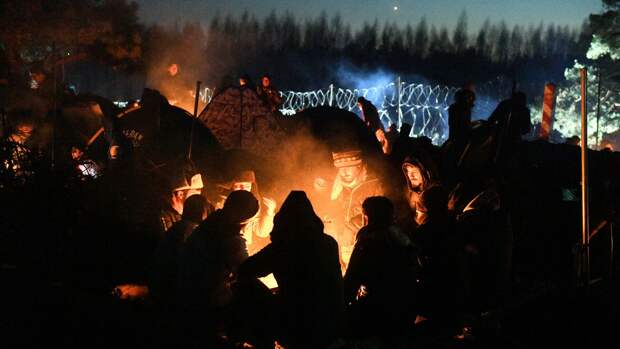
[459,115]
[305,263]
[512,118]
[165,262]
[213,253]
[380,278]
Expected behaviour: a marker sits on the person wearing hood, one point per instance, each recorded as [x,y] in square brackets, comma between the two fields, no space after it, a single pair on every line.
[305,263]
[380,281]
[419,178]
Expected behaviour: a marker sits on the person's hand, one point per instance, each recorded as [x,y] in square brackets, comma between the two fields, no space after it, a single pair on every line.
[320,184]
[270,204]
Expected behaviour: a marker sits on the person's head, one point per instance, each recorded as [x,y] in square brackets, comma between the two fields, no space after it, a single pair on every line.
[469,97]
[266,81]
[433,203]
[349,164]
[296,218]
[173,69]
[77,152]
[240,207]
[378,210]
[361,101]
[182,188]
[114,151]
[195,208]
[244,180]
[414,176]
[519,99]
[247,186]
[244,80]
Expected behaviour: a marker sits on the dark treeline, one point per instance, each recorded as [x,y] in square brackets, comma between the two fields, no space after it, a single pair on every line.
[306,54]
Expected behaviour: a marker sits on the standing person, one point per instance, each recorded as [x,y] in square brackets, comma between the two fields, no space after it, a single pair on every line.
[305,263]
[513,120]
[459,116]
[268,93]
[380,282]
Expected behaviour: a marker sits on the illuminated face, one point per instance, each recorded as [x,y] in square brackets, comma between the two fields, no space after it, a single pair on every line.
[266,81]
[247,186]
[76,153]
[414,176]
[25,130]
[173,69]
[114,150]
[242,82]
[37,78]
[349,174]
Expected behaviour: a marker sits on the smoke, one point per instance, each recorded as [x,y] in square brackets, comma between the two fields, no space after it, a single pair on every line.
[355,78]
[176,60]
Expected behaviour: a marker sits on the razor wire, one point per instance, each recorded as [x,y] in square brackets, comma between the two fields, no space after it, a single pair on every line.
[423,106]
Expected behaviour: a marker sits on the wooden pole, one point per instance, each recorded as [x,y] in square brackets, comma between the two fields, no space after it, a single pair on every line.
[585,195]
[191,133]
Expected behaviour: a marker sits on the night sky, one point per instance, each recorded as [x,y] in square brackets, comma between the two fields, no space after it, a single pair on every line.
[355,12]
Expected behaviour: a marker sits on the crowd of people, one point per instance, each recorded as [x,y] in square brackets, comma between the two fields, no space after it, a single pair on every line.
[366,257]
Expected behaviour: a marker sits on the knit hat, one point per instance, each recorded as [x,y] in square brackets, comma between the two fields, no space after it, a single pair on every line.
[347,158]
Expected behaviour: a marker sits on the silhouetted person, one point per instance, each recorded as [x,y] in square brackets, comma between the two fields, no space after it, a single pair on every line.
[513,120]
[269,94]
[165,263]
[305,263]
[381,277]
[370,114]
[459,115]
[208,263]
[488,239]
[440,246]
